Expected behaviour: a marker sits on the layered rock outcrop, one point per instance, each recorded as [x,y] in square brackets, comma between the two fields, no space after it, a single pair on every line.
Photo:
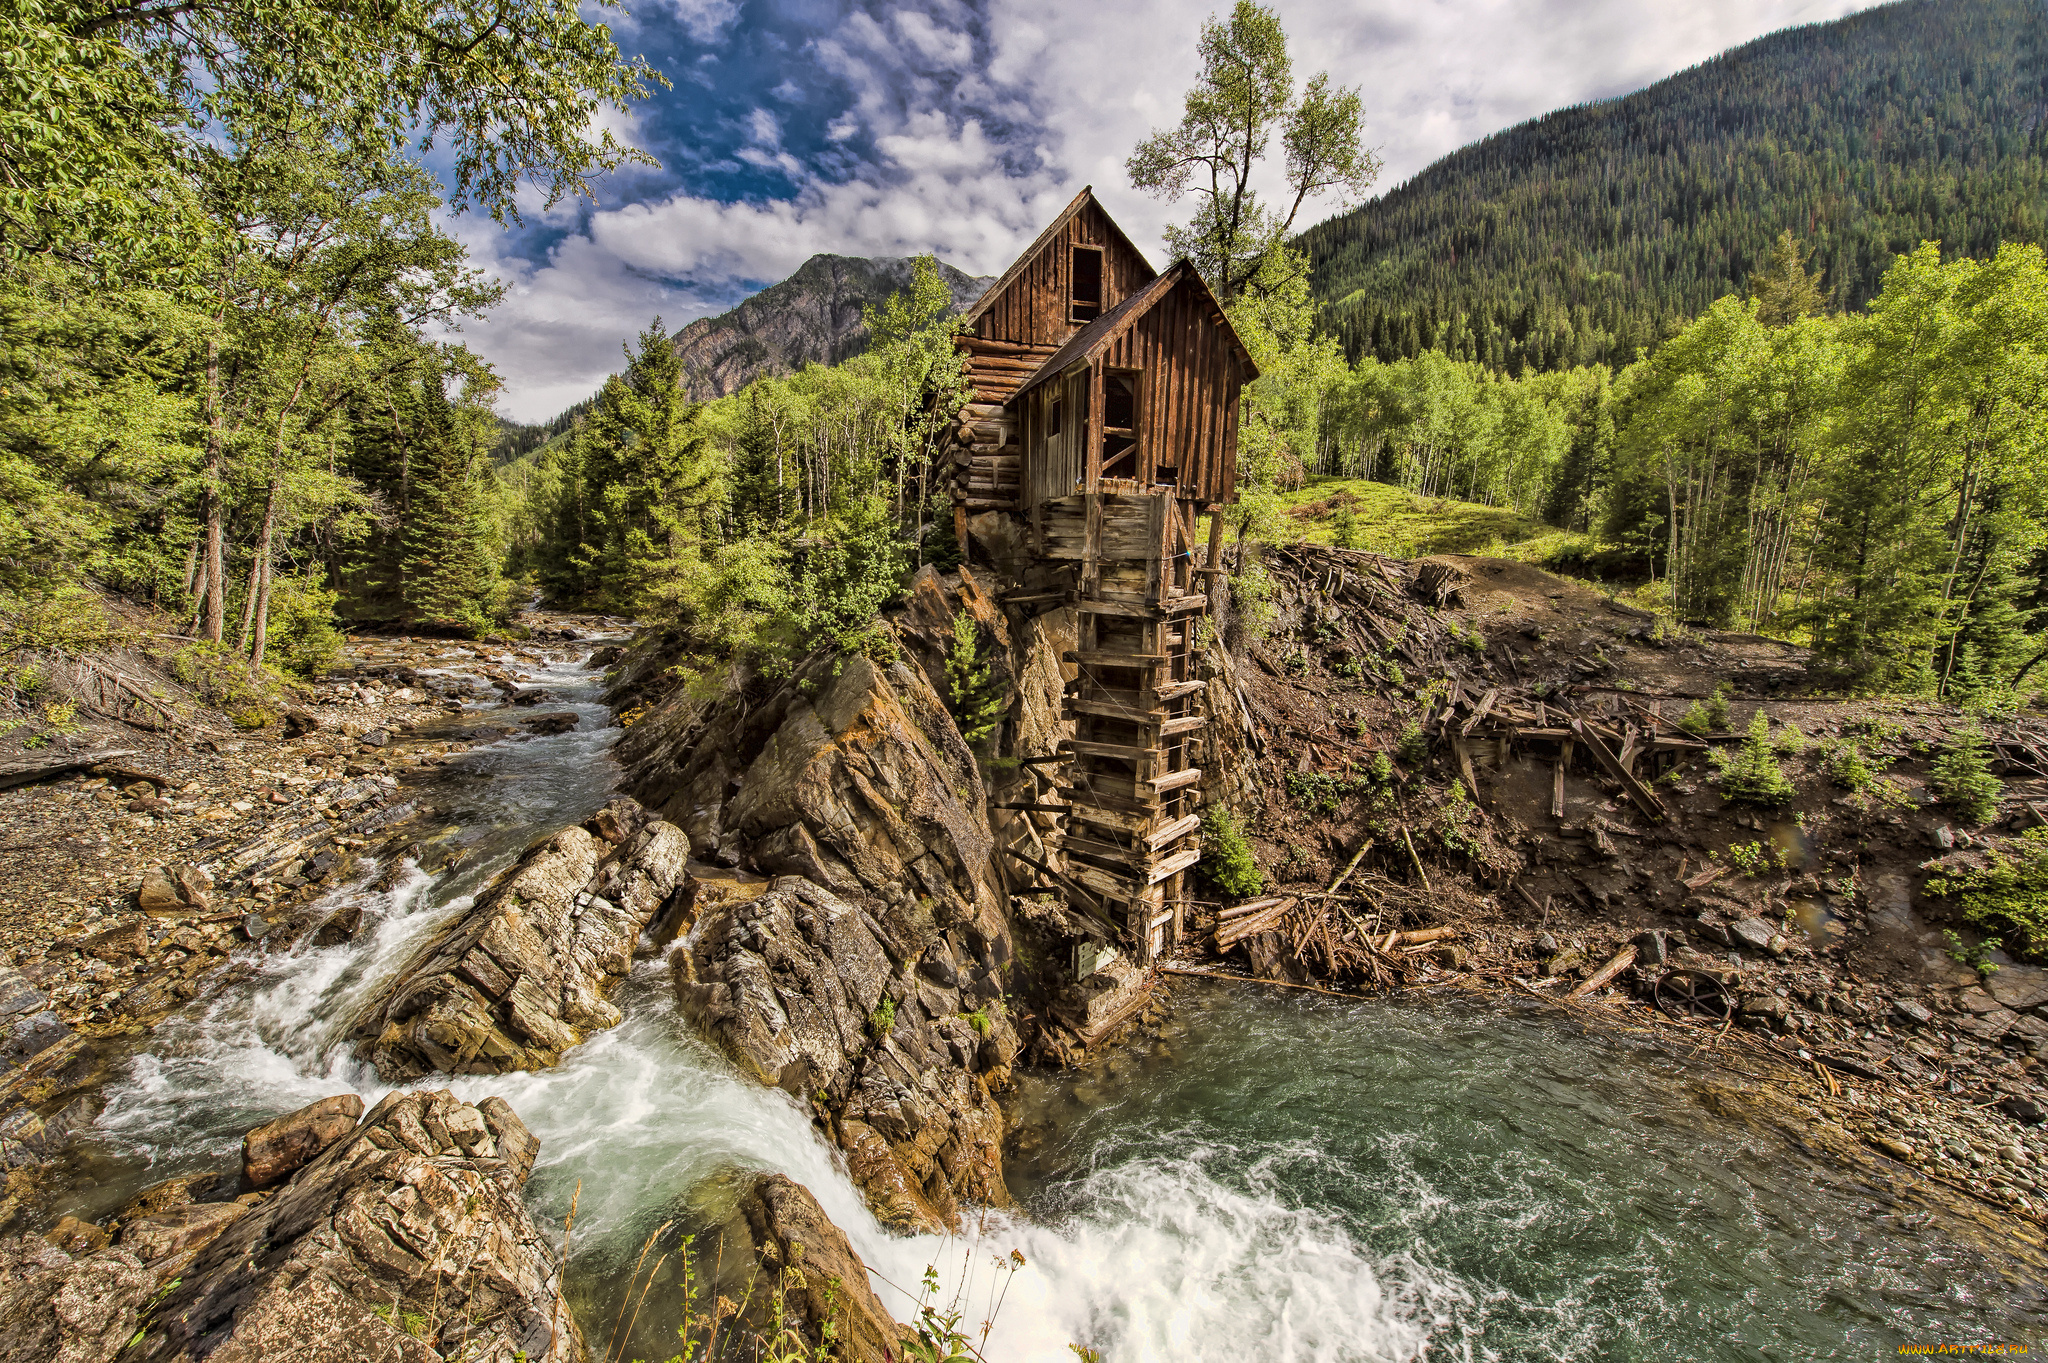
[405,1241]
[523,975]
[886,1029]
[828,1284]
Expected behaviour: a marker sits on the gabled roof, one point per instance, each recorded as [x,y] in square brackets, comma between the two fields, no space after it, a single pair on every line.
[1081,200]
[1092,339]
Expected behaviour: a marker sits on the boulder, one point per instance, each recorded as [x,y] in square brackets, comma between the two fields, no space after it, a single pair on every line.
[172,1192]
[1915,1014]
[118,945]
[181,888]
[1754,933]
[554,722]
[852,775]
[279,1148]
[789,1229]
[813,993]
[523,975]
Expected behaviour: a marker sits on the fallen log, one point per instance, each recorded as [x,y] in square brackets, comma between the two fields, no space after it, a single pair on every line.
[1620,961]
[17,771]
[1230,934]
[1421,935]
[1249,906]
[1359,856]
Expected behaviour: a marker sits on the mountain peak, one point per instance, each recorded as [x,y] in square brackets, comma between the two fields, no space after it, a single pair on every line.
[812,317]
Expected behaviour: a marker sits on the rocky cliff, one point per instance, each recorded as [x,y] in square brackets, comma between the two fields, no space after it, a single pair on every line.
[812,317]
[874,976]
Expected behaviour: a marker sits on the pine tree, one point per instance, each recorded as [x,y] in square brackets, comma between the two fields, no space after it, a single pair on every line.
[1783,291]
[1753,775]
[448,574]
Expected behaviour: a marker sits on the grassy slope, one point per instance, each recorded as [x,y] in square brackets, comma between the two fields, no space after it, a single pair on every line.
[1388,520]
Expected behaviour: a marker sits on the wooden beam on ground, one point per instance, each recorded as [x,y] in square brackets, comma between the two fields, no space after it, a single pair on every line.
[1620,961]
[1564,760]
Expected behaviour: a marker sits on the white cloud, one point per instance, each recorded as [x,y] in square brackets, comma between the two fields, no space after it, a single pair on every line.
[984,127]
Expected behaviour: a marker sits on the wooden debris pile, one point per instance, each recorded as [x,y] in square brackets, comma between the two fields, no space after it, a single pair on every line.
[1629,741]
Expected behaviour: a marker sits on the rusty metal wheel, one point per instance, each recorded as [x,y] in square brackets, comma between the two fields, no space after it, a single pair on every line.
[1693,993]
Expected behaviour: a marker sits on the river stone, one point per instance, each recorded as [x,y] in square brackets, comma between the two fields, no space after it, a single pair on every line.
[118,945]
[790,1229]
[277,1148]
[396,1216]
[521,977]
[181,888]
[792,985]
[2019,986]
[1977,1001]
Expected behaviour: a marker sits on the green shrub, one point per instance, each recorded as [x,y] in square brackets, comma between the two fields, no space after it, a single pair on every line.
[882,1021]
[1318,792]
[303,640]
[1753,776]
[2009,896]
[1961,778]
[1413,747]
[1227,861]
[1844,765]
[1790,742]
[1344,532]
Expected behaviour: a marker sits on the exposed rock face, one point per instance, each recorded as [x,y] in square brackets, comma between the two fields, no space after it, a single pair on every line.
[417,1213]
[280,1147]
[523,975]
[812,317]
[789,1228]
[868,1018]
[851,775]
[405,1242]
[851,785]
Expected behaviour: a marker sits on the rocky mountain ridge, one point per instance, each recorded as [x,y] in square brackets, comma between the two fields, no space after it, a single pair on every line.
[812,317]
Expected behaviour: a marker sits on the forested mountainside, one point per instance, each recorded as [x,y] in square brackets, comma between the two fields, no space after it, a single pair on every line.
[812,317]
[1580,236]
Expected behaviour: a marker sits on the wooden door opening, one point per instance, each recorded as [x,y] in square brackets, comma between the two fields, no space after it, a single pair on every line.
[1120,423]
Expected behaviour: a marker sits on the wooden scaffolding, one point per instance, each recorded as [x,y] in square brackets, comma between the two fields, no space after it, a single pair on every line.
[1132,791]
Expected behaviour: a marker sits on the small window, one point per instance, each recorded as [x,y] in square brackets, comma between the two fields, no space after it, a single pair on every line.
[1053,423]
[1087,297]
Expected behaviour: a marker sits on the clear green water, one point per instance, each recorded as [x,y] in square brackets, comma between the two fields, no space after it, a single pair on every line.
[1425,1179]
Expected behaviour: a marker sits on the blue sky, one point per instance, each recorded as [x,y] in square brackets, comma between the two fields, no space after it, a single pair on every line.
[959,126]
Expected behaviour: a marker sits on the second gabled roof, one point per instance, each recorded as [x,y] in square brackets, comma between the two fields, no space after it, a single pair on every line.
[1030,253]
[1092,339]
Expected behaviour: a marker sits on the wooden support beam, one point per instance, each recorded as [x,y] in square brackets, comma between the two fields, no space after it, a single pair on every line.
[1174,831]
[1645,798]
[1048,759]
[1485,704]
[1175,690]
[1175,780]
[1111,709]
[1096,658]
[1084,747]
[1179,861]
[1173,728]
[1036,809]
[1557,781]
[1095,907]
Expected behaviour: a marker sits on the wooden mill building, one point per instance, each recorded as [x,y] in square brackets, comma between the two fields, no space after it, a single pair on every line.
[1105,419]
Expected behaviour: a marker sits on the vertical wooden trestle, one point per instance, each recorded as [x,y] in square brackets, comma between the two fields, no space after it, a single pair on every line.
[1131,785]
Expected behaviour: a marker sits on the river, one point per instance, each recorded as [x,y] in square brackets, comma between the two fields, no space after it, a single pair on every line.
[1275,1177]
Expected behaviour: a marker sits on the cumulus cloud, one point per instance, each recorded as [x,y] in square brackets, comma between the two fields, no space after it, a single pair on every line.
[961,128]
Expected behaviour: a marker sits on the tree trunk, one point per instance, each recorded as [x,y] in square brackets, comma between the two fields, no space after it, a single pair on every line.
[216,573]
[259,592]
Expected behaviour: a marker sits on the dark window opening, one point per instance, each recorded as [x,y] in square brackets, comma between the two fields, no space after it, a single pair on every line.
[1086,304]
[1119,426]
[1053,424]
[1166,475]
